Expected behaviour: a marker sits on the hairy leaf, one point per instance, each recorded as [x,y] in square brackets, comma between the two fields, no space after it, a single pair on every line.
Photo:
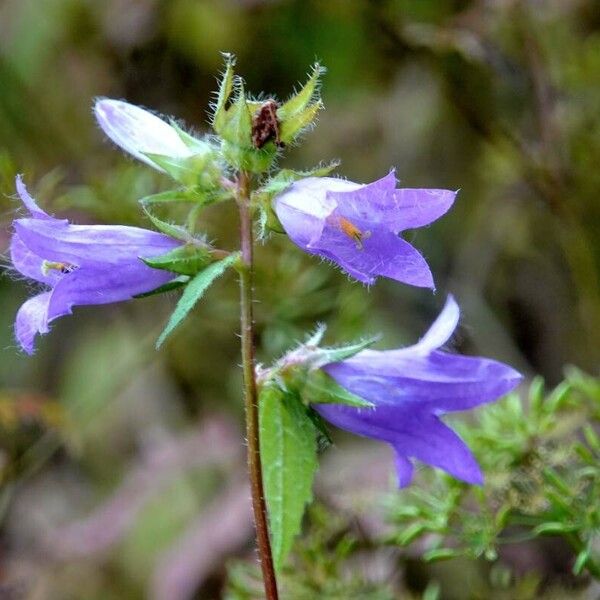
[289,462]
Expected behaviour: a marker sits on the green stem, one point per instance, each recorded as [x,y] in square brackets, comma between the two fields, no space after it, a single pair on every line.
[250,391]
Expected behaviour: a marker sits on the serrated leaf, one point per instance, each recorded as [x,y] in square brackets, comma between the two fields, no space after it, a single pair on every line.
[300,101]
[289,462]
[188,259]
[320,388]
[174,284]
[193,292]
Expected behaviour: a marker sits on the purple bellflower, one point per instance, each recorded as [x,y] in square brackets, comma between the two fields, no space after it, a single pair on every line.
[80,264]
[356,226]
[410,388]
[139,132]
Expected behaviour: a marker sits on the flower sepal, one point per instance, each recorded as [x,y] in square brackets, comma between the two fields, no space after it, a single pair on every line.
[188,259]
[252,132]
[320,388]
[299,372]
[298,114]
[201,170]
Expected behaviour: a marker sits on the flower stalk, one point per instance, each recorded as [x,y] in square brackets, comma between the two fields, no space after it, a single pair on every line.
[250,390]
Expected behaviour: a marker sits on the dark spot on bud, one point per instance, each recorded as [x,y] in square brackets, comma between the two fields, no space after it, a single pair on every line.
[265,125]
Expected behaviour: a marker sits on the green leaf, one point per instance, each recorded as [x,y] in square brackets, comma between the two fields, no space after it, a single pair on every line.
[581,561]
[323,438]
[300,101]
[191,195]
[320,388]
[440,554]
[174,284]
[175,231]
[554,479]
[169,196]
[411,533]
[193,292]
[591,437]
[188,259]
[289,462]
[554,528]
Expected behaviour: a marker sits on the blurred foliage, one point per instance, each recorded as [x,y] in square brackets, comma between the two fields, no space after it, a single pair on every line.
[498,98]
[321,568]
[542,467]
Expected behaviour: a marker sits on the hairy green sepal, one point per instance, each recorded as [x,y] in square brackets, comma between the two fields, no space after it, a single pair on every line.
[188,259]
[320,388]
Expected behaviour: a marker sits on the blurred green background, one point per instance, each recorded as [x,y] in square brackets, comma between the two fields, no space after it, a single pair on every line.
[114,455]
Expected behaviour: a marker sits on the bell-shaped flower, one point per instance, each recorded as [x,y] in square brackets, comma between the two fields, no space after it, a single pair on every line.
[356,226]
[79,264]
[140,132]
[410,389]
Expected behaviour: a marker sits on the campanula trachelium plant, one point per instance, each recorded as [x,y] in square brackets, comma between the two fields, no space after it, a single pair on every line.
[395,396]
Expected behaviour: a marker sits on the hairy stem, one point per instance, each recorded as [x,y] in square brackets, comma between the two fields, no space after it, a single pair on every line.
[250,392]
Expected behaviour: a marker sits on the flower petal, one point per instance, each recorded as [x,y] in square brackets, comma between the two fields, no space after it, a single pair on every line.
[379,253]
[103,286]
[437,445]
[442,328]
[438,382]
[419,207]
[30,264]
[397,209]
[300,226]
[91,244]
[404,470]
[412,434]
[28,201]
[138,131]
[32,318]
[303,207]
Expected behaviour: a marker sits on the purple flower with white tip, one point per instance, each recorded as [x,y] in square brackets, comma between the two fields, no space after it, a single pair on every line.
[140,132]
[79,264]
[356,226]
[410,389]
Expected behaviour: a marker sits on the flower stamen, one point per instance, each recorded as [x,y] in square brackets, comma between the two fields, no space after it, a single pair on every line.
[351,230]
